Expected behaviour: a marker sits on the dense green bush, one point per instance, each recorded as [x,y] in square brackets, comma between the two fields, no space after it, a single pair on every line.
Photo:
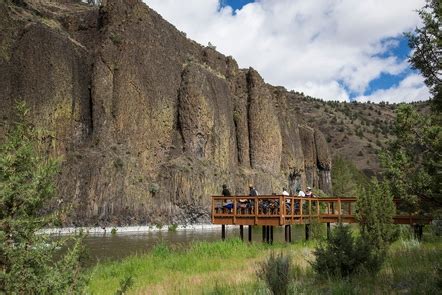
[343,256]
[276,273]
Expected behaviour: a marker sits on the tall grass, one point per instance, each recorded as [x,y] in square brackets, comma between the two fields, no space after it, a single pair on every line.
[175,268]
[230,267]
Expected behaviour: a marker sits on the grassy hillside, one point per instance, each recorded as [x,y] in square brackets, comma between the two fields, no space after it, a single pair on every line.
[355,131]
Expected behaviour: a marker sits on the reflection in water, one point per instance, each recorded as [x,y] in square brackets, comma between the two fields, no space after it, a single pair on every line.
[114,247]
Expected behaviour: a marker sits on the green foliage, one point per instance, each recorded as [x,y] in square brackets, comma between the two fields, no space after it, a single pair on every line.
[125,285]
[154,188]
[26,186]
[172,227]
[114,231]
[426,45]
[374,211]
[116,38]
[413,160]
[343,256]
[276,272]
[346,178]
[118,163]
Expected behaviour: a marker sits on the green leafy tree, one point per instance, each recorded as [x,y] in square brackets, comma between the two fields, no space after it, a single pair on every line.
[27,262]
[426,43]
[375,210]
[412,161]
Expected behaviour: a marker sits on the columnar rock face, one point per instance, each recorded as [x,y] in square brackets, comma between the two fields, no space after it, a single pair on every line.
[323,162]
[149,123]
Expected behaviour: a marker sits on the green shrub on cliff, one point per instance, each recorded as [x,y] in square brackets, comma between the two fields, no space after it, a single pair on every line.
[26,186]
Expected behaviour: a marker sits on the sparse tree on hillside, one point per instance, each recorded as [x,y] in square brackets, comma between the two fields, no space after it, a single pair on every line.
[26,185]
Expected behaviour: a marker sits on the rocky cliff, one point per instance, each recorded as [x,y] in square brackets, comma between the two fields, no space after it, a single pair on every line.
[148,122]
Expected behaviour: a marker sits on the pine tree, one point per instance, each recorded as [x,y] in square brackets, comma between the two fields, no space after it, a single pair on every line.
[26,185]
[375,210]
[346,178]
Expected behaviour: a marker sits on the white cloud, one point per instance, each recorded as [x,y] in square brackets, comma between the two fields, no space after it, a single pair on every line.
[327,49]
[411,88]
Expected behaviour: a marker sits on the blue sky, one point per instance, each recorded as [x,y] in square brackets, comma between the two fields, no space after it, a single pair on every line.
[334,50]
[235,4]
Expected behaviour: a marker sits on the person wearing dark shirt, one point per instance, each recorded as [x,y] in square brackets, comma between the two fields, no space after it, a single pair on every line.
[226,191]
[227,204]
[253,192]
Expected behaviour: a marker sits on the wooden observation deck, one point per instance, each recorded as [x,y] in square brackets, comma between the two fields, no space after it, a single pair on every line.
[279,210]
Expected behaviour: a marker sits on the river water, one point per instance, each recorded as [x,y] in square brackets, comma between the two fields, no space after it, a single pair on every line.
[105,247]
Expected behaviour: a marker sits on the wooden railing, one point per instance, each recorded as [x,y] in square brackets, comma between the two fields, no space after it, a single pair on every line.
[284,210]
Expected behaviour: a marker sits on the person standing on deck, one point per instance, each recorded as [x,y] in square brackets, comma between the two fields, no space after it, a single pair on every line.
[253,192]
[228,204]
[301,194]
[309,193]
[226,192]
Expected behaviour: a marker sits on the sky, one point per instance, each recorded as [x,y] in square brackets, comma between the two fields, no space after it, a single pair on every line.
[330,49]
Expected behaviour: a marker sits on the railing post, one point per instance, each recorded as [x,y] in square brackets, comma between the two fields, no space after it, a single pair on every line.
[317,209]
[309,209]
[213,210]
[281,212]
[256,210]
[339,209]
[234,210]
[292,208]
[300,210]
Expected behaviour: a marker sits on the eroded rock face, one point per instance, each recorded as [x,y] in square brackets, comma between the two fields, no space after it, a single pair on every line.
[150,124]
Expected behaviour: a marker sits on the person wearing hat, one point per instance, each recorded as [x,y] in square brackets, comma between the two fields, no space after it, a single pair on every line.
[309,193]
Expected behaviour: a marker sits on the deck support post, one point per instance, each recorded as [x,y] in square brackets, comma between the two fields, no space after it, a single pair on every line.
[264,232]
[328,230]
[241,232]
[418,231]
[268,234]
[223,232]
[271,234]
[288,233]
[307,231]
[250,233]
